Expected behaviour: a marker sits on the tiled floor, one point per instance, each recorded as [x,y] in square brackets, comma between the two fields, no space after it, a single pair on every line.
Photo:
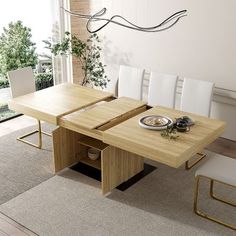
[5,94]
[16,124]
[224,146]
[9,227]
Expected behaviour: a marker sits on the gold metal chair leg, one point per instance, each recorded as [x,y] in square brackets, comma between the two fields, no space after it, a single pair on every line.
[201,213]
[45,133]
[39,131]
[212,194]
[189,166]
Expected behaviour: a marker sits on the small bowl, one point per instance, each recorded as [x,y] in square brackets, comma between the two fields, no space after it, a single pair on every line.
[93,154]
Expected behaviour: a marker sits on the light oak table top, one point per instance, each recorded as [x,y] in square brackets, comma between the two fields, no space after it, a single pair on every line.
[104,113]
[51,103]
[98,118]
[129,136]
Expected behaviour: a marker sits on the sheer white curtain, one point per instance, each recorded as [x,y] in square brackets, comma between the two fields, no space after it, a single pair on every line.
[62,65]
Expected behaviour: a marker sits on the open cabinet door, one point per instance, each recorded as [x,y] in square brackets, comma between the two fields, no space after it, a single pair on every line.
[118,166]
[65,148]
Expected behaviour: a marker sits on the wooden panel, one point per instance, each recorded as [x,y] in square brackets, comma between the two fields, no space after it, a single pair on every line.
[65,148]
[83,154]
[91,142]
[94,163]
[78,27]
[118,166]
[122,118]
[51,103]
[11,227]
[97,134]
[148,143]
[104,113]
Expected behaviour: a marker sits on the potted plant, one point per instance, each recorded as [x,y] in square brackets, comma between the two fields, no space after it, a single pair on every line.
[88,54]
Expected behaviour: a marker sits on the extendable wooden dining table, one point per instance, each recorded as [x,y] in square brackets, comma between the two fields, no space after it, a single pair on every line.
[51,103]
[111,127]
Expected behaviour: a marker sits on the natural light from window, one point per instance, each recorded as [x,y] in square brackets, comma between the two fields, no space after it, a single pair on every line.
[35,14]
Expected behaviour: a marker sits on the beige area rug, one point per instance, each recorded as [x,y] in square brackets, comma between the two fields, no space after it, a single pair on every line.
[22,166]
[71,204]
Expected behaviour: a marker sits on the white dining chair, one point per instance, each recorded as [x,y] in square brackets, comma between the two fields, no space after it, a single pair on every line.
[162,90]
[196,98]
[130,82]
[219,169]
[22,82]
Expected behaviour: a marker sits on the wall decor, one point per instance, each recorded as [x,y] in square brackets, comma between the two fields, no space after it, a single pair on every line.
[97,17]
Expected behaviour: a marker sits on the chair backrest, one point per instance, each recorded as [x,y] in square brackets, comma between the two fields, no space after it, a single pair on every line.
[197,96]
[130,82]
[21,81]
[162,90]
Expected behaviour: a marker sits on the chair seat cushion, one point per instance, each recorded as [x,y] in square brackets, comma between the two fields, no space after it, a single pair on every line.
[220,168]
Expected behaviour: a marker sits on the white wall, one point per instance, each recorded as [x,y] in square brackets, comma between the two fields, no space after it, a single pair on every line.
[201,46]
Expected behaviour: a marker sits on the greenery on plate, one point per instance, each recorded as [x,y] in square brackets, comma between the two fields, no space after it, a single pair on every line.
[170,133]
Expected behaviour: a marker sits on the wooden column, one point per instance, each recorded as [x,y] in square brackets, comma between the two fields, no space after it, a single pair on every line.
[78,28]
[118,166]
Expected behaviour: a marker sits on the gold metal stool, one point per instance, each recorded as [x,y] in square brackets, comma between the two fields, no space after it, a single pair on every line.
[219,169]
[39,131]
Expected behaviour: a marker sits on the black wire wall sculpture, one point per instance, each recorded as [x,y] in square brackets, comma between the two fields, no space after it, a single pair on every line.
[97,17]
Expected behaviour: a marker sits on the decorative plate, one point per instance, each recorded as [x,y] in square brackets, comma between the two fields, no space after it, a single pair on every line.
[155,122]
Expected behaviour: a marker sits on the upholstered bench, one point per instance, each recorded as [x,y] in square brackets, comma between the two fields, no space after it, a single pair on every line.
[217,169]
